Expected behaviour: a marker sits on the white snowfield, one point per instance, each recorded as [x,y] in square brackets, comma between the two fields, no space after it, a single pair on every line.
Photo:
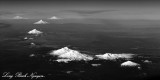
[41,22]
[35,32]
[130,64]
[109,56]
[67,54]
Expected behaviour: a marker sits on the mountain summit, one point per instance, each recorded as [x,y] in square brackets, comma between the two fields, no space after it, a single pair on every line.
[129,64]
[19,17]
[54,18]
[41,22]
[35,32]
[71,55]
[109,56]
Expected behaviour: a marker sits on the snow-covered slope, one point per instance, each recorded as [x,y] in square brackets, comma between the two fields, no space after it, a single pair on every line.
[69,54]
[129,64]
[109,56]
[35,32]
[41,22]
[63,60]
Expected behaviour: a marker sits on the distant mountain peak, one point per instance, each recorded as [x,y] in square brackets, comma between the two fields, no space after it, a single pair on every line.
[54,18]
[19,17]
[129,64]
[35,32]
[41,22]
[66,53]
[110,56]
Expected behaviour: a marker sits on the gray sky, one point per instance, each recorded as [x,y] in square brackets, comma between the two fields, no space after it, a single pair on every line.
[80,9]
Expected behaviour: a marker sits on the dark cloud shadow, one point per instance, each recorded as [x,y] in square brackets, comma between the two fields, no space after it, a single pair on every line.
[4,25]
[87,12]
[6,13]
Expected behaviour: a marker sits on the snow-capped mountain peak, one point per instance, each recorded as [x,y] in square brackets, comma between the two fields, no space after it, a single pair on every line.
[129,64]
[35,31]
[19,17]
[66,53]
[109,56]
[60,51]
[41,22]
[54,18]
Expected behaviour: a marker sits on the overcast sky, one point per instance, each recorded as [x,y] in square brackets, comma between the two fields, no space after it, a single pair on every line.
[81,9]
